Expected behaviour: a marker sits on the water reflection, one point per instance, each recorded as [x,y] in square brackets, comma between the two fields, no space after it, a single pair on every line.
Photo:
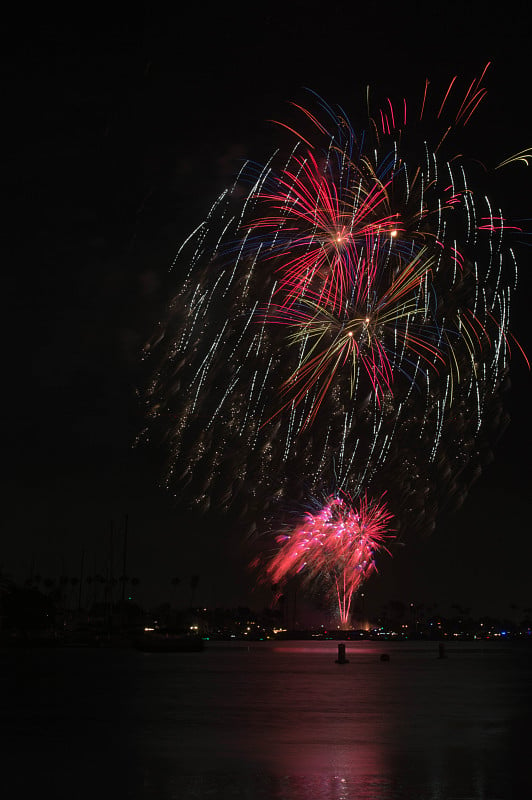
[275,721]
[413,727]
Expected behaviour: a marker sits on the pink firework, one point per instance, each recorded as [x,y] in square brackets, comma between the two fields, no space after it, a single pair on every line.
[315,221]
[335,546]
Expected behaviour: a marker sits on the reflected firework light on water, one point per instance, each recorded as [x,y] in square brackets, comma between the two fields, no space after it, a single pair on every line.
[343,326]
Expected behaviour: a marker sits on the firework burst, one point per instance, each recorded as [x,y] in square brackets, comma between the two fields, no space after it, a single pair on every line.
[333,548]
[343,327]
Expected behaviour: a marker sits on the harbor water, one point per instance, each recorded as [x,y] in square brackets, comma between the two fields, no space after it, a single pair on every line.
[269,720]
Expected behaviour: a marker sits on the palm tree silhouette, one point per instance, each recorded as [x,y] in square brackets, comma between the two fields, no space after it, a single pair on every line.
[194,581]
[175,583]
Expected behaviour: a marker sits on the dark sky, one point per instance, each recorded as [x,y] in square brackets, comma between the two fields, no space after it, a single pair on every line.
[120,132]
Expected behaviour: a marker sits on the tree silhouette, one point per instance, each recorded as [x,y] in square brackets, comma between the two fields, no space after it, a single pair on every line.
[194,581]
[175,581]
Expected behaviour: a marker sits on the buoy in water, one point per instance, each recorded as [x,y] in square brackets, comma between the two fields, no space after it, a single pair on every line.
[341,655]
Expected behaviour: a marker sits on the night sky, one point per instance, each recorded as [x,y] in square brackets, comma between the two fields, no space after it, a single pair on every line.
[120,134]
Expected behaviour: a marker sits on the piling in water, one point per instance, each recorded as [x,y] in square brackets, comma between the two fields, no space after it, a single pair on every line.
[341,655]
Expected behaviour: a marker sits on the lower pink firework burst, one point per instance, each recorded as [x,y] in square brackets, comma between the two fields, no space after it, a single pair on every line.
[335,546]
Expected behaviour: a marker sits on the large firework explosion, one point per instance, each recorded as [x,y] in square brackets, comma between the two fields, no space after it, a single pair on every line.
[342,328]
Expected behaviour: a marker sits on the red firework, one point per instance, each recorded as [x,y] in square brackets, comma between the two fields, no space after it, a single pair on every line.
[336,546]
